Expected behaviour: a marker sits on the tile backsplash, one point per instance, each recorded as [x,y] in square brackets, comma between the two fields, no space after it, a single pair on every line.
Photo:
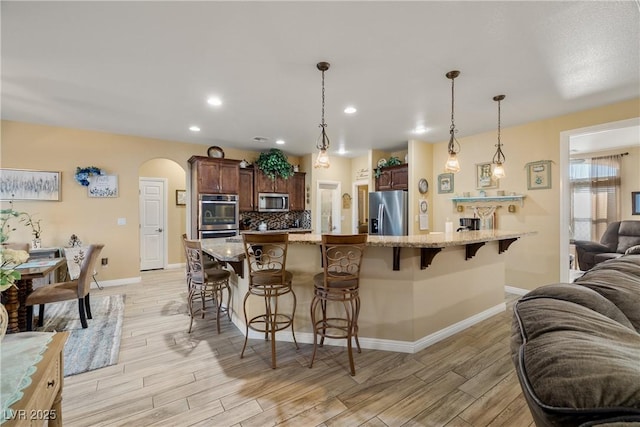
[275,220]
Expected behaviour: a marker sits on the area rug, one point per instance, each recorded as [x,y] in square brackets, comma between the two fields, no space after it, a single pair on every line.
[91,348]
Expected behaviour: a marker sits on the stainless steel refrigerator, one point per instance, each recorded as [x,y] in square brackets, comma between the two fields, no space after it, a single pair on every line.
[389,213]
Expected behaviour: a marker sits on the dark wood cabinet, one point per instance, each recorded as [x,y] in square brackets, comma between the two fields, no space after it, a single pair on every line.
[246,196]
[215,176]
[264,184]
[393,178]
[297,192]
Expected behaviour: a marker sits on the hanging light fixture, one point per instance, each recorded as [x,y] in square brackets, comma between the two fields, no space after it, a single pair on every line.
[452,164]
[498,158]
[322,144]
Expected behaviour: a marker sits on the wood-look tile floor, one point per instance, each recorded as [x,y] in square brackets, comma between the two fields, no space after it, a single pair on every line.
[166,377]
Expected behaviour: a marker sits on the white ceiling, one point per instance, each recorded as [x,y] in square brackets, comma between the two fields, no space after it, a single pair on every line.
[147,68]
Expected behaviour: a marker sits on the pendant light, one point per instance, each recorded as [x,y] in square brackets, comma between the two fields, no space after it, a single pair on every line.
[452,164]
[322,144]
[498,158]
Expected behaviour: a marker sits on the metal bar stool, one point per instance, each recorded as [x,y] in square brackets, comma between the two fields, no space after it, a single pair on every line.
[205,284]
[338,283]
[266,257]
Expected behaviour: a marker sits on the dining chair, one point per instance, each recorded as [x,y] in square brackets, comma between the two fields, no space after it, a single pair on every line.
[205,284]
[338,284]
[66,291]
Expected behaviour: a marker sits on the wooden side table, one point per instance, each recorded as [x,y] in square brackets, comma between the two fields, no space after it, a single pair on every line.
[42,399]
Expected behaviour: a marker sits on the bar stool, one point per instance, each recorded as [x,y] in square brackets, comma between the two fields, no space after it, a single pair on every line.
[338,283]
[205,284]
[266,256]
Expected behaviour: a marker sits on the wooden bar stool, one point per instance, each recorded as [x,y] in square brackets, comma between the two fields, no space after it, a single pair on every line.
[266,256]
[338,283]
[205,284]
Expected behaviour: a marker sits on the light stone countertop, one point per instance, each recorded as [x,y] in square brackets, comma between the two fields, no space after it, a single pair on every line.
[232,250]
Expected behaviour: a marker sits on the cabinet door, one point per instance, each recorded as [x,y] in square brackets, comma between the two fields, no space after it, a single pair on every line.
[296,192]
[245,195]
[229,177]
[263,184]
[400,178]
[208,177]
[281,185]
[383,182]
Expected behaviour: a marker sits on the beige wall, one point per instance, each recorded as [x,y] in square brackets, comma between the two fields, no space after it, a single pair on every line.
[534,260]
[38,147]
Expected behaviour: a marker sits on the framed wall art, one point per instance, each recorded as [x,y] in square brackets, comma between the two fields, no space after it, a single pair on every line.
[22,184]
[181,197]
[539,175]
[635,203]
[484,176]
[103,186]
[445,183]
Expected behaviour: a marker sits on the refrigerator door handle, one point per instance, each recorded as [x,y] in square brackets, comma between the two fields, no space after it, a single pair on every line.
[381,219]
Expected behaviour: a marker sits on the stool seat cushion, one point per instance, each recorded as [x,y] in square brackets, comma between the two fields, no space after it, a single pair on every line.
[217,274]
[267,278]
[318,281]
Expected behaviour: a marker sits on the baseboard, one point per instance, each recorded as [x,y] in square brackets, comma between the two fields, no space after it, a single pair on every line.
[516,291]
[382,344]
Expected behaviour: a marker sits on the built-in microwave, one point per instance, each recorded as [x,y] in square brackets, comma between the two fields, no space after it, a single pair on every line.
[273,202]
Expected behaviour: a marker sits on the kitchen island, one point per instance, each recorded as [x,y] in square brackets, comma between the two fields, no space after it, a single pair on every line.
[406,308]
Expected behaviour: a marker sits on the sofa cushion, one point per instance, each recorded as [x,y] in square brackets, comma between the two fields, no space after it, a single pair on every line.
[575,361]
[598,258]
[617,280]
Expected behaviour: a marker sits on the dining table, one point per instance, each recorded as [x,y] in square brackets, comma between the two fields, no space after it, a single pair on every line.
[16,296]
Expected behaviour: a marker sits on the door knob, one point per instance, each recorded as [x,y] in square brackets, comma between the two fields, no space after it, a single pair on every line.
[159,230]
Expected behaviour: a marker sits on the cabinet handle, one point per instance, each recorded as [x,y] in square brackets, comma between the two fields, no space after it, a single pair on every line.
[51,383]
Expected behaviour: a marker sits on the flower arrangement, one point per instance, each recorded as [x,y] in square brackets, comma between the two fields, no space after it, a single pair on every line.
[28,220]
[5,226]
[83,174]
[9,258]
[274,163]
[393,161]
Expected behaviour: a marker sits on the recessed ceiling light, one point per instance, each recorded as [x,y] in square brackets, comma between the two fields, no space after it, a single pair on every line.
[280,142]
[420,130]
[194,128]
[350,110]
[215,101]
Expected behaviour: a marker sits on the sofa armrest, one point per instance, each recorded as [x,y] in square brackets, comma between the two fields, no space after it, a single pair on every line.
[589,246]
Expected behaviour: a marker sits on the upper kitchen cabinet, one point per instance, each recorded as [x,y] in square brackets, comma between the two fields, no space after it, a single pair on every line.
[246,196]
[393,178]
[296,192]
[215,176]
[264,184]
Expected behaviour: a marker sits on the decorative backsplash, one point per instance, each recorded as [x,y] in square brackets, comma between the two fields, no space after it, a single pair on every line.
[275,220]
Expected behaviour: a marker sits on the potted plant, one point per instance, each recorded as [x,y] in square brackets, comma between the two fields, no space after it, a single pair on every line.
[36,230]
[274,163]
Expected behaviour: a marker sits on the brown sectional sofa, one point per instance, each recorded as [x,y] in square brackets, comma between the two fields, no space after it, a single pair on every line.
[576,347]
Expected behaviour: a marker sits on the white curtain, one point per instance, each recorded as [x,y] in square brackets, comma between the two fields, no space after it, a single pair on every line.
[595,195]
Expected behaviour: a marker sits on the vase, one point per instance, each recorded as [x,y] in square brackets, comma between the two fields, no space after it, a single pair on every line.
[36,244]
[4,321]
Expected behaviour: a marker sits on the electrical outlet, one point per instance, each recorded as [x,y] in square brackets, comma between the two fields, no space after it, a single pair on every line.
[105,262]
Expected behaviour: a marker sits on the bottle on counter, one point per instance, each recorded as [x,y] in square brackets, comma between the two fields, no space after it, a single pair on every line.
[448,226]
[262,226]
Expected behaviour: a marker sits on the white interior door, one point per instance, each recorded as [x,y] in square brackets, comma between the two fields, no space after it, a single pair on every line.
[328,207]
[152,223]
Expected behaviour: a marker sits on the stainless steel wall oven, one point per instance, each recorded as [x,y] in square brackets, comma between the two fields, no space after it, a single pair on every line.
[217,213]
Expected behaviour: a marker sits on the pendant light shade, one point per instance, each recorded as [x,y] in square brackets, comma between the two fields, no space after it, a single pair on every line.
[452,164]
[322,144]
[498,157]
